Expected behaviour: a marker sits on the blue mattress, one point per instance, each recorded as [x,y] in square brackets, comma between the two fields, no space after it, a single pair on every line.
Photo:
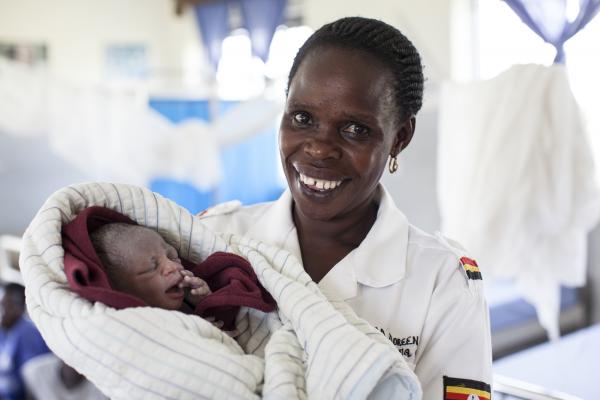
[508,309]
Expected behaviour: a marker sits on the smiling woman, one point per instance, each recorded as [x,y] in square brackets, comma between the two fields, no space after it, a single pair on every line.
[338,129]
[353,92]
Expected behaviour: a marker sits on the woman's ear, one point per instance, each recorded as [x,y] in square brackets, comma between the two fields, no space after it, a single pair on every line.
[404,135]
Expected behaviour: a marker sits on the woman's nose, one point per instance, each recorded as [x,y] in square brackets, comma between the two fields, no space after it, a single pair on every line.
[322,146]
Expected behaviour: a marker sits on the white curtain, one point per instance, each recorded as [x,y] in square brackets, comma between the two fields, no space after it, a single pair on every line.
[114,135]
[516,181]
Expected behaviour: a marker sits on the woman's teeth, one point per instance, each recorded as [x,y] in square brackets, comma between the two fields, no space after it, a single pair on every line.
[319,184]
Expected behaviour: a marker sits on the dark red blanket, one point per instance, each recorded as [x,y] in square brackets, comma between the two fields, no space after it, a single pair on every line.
[230,277]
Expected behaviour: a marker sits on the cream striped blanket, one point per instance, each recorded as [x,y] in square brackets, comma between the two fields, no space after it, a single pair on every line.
[310,348]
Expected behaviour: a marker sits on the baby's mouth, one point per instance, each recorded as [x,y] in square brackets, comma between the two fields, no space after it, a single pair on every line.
[175,289]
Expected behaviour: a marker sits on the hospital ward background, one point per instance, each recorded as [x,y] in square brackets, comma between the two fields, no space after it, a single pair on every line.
[184,97]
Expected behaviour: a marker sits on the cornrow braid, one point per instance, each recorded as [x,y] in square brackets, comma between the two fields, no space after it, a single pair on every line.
[383,41]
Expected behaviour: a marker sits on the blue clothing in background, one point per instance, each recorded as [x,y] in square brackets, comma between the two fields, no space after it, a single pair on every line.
[17,345]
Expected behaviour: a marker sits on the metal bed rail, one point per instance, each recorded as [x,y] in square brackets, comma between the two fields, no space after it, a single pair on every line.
[506,388]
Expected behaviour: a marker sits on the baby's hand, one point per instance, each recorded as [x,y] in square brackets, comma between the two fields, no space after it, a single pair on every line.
[195,288]
[218,324]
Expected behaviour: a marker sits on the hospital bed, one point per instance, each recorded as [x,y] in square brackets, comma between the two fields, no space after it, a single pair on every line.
[513,389]
[514,322]
[561,370]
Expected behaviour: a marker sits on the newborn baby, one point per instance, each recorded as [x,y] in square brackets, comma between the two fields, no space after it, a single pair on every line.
[139,262]
[110,259]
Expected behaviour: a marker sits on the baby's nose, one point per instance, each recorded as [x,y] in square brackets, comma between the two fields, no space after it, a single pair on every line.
[172,266]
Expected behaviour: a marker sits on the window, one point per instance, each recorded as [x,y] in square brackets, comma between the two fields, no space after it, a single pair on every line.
[241,75]
[504,40]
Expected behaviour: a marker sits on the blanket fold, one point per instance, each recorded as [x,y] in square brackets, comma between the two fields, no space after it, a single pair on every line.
[309,348]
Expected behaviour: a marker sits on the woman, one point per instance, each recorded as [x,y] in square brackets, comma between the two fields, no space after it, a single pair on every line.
[353,92]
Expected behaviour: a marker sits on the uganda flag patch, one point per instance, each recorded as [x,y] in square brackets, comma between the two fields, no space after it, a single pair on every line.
[465,389]
[471,268]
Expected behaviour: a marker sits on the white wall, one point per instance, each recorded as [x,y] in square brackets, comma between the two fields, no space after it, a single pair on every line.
[77,31]
[29,173]
[426,22]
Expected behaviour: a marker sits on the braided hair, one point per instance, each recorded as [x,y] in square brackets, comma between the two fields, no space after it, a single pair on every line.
[383,41]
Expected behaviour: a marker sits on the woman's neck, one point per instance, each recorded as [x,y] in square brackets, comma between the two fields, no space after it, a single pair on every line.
[324,243]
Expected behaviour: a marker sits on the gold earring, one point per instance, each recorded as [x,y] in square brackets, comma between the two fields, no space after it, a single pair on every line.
[393,164]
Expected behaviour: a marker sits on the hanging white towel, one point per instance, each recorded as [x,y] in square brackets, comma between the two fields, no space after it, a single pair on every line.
[114,135]
[516,181]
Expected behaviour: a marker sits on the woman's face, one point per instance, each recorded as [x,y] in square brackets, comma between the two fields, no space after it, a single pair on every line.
[337,131]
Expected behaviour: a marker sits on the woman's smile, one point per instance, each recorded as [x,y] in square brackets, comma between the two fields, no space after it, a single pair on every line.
[320,185]
[317,183]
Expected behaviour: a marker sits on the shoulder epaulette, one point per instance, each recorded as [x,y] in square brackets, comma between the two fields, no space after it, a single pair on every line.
[468,265]
[471,268]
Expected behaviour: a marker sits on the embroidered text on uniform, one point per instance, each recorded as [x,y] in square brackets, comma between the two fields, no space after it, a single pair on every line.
[399,342]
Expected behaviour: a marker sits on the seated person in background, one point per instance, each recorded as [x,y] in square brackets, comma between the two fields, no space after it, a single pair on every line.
[139,262]
[19,342]
[111,259]
[47,377]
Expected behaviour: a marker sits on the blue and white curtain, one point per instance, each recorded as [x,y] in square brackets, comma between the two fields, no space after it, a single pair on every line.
[241,159]
[249,167]
[548,19]
[260,18]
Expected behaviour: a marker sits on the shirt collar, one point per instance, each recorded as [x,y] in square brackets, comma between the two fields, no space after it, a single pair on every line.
[276,226]
[379,261]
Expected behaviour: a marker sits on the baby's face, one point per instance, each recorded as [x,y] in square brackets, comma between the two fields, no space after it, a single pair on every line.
[152,270]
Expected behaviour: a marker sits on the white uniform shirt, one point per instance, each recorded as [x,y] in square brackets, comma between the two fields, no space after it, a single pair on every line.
[410,285]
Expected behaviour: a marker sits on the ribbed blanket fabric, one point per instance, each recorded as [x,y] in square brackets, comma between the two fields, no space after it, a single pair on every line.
[310,348]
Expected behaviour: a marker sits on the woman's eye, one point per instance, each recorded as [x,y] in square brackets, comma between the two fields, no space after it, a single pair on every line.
[355,130]
[301,118]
